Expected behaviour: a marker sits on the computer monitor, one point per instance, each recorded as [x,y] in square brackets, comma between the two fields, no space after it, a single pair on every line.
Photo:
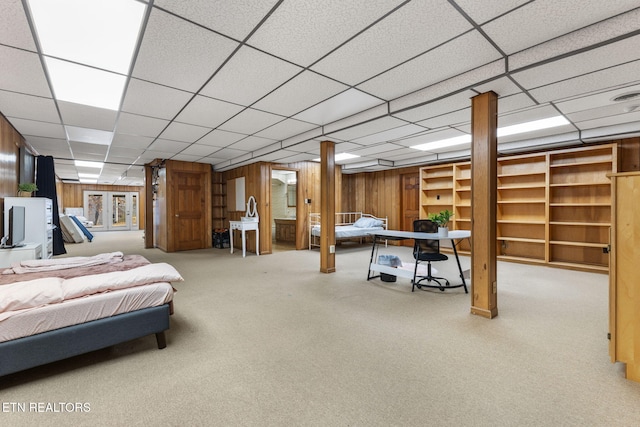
[16,227]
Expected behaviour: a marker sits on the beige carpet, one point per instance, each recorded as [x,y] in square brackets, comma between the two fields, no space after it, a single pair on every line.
[270,341]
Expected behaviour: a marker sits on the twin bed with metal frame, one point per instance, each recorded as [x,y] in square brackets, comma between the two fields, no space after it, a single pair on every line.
[349,226]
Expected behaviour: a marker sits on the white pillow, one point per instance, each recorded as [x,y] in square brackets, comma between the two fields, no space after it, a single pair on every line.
[366,222]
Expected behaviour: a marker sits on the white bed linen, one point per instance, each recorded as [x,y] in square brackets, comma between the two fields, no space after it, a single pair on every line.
[85,309]
[346,231]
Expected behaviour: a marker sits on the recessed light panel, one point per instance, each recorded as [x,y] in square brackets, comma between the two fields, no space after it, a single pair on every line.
[88,47]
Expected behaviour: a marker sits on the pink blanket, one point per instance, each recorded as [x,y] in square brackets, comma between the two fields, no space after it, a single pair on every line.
[128,262]
[18,297]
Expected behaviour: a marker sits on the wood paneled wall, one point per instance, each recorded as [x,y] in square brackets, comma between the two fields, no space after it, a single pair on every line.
[628,154]
[376,193]
[10,142]
[71,196]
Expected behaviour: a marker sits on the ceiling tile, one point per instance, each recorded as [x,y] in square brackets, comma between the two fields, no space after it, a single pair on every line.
[203,111]
[58,148]
[412,30]
[131,141]
[214,14]
[390,134]
[457,56]
[481,12]
[151,100]
[251,143]
[168,146]
[22,106]
[21,71]
[250,121]
[300,93]
[228,153]
[133,124]
[285,129]
[579,64]
[303,31]
[259,73]
[597,81]
[15,30]
[88,151]
[178,54]
[368,128]
[124,152]
[184,132]
[87,117]
[36,128]
[521,28]
[199,150]
[437,108]
[186,157]
[593,35]
[448,119]
[337,107]
[631,117]
[602,99]
[221,138]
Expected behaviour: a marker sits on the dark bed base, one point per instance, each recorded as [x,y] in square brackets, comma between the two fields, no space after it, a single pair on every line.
[28,352]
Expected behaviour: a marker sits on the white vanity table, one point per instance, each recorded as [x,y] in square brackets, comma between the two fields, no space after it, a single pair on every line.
[249,222]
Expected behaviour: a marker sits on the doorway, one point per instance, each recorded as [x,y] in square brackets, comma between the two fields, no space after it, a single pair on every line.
[112,210]
[284,205]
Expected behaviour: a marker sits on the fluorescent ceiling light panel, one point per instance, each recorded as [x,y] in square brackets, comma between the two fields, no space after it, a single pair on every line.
[533,126]
[90,136]
[99,33]
[340,157]
[84,85]
[88,47]
[444,143]
[88,175]
[86,164]
[88,181]
[505,131]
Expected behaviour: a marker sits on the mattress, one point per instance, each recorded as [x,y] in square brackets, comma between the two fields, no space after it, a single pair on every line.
[347,231]
[84,309]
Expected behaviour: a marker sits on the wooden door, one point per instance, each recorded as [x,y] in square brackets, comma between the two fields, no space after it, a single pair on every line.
[189,224]
[410,202]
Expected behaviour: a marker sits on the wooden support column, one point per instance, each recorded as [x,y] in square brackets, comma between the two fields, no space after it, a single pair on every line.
[148,207]
[327,207]
[484,156]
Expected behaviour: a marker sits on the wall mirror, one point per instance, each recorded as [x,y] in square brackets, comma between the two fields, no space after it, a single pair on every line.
[291,195]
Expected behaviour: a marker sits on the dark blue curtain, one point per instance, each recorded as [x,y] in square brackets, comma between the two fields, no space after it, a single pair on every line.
[46,183]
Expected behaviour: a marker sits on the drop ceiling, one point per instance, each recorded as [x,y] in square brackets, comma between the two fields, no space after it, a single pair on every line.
[239,81]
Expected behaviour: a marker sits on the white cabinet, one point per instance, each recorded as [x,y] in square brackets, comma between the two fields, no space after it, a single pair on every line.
[21,253]
[38,220]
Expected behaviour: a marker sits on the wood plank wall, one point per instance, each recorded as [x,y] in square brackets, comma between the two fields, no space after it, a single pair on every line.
[71,196]
[377,193]
[10,142]
[628,154]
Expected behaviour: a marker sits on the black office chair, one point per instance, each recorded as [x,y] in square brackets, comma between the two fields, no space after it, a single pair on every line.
[427,250]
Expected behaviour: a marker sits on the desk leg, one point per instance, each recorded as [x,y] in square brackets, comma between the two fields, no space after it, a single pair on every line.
[373,249]
[257,242]
[231,239]
[244,242]
[455,251]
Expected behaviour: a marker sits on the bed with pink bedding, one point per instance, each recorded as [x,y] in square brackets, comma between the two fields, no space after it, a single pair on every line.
[55,309]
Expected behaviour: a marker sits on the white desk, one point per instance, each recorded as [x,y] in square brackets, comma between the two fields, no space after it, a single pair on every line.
[22,253]
[453,235]
[243,226]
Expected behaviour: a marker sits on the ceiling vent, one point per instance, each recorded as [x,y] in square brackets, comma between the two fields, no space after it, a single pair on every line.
[626,96]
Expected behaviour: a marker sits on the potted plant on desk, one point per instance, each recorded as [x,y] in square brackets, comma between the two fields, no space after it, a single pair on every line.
[441,218]
[25,189]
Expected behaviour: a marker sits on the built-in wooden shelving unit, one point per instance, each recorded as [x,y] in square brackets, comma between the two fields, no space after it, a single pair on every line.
[553,208]
[219,202]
